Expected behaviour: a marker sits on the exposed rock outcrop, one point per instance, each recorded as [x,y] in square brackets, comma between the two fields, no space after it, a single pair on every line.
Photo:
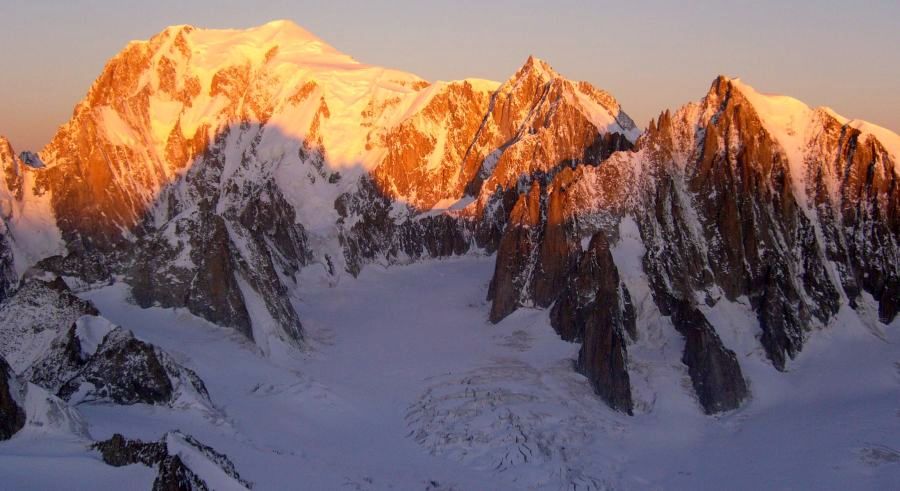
[33,319]
[227,241]
[62,360]
[60,343]
[12,192]
[731,205]
[126,370]
[713,368]
[24,405]
[595,308]
[522,235]
[12,415]
[175,456]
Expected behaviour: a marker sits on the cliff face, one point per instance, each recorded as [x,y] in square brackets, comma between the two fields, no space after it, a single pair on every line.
[28,230]
[12,182]
[742,198]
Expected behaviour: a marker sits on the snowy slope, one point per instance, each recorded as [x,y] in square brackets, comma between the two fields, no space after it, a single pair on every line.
[394,397]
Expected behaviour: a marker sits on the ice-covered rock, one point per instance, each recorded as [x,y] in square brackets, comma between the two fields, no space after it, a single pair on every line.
[26,406]
[182,462]
[126,370]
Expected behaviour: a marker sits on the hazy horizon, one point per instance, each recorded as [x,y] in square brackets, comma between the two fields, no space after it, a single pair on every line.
[651,56]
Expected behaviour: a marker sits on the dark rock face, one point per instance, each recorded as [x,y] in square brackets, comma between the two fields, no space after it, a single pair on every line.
[558,246]
[751,237]
[12,416]
[90,267]
[173,474]
[209,289]
[596,309]
[119,451]
[509,284]
[714,369]
[377,234]
[12,171]
[540,262]
[43,328]
[233,239]
[125,370]
[540,247]
[862,229]
[40,308]
[8,277]
[63,360]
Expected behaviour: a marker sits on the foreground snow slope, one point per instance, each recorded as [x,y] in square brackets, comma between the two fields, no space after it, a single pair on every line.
[406,386]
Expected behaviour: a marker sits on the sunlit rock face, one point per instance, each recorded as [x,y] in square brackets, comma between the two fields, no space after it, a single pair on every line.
[741,198]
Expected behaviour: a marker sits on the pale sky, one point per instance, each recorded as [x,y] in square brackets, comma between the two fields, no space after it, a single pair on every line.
[651,55]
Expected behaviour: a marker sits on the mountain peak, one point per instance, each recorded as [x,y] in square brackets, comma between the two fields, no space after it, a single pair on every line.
[537,68]
[292,43]
[285,28]
[789,121]
[7,154]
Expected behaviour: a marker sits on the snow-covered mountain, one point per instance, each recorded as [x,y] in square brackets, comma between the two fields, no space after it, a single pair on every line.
[208,158]
[741,201]
[230,177]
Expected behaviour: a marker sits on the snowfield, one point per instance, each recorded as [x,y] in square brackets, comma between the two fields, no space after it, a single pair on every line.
[405,385]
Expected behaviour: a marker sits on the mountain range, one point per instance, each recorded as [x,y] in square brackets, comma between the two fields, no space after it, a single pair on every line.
[214,171]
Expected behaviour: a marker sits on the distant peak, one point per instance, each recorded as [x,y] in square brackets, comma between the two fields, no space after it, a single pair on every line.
[538,68]
[787,117]
[220,47]
[279,23]
[281,30]
[720,86]
[287,27]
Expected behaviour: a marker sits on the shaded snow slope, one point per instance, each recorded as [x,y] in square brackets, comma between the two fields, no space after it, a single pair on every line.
[406,386]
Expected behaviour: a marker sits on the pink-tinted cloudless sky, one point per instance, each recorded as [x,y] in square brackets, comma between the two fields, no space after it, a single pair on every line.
[651,55]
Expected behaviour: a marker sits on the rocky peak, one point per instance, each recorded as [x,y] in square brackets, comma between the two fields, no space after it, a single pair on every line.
[535,69]
[719,89]
[7,154]
[740,197]
[12,170]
